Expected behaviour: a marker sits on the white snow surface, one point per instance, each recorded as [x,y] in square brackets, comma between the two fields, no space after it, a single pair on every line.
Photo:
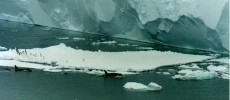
[67,57]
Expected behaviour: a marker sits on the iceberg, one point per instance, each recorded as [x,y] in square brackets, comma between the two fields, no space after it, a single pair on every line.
[176,22]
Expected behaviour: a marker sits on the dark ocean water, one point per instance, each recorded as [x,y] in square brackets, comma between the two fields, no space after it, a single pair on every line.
[40,85]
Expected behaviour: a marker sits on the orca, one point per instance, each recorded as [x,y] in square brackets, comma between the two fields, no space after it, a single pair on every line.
[112,74]
[21,69]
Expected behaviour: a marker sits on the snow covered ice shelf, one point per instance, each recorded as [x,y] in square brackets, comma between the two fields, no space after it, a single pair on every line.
[62,56]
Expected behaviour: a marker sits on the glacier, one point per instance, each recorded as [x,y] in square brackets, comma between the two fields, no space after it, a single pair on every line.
[193,24]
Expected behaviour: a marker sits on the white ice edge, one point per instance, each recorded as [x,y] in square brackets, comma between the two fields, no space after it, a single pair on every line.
[68,57]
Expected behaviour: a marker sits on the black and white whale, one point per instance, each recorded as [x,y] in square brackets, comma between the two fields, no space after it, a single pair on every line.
[112,74]
[21,69]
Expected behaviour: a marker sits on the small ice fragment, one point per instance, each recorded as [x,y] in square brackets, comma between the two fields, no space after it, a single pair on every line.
[154,87]
[217,68]
[225,76]
[166,73]
[63,38]
[158,72]
[195,75]
[3,48]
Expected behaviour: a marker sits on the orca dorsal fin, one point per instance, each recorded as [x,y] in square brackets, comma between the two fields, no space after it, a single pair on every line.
[106,73]
[16,68]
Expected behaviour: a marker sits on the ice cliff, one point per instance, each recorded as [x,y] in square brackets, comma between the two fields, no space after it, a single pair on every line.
[186,23]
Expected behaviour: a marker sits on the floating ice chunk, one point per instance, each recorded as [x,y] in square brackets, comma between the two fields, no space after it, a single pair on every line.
[166,73]
[217,68]
[80,39]
[135,86]
[123,44]
[188,74]
[154,87]
[3,48]
[145,48]
[105,42]
[158,72]
[63,38]
[225,76]
[141,87]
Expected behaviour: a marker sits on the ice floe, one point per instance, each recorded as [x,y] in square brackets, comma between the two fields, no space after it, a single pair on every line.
[145,48]
[154,87]
[104,42]
[123,44]
[141,87]
[188,74]
[220,68]
[135,86]
[63,38]
[61,56]
[200,71]
[79,39]
[3,48]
